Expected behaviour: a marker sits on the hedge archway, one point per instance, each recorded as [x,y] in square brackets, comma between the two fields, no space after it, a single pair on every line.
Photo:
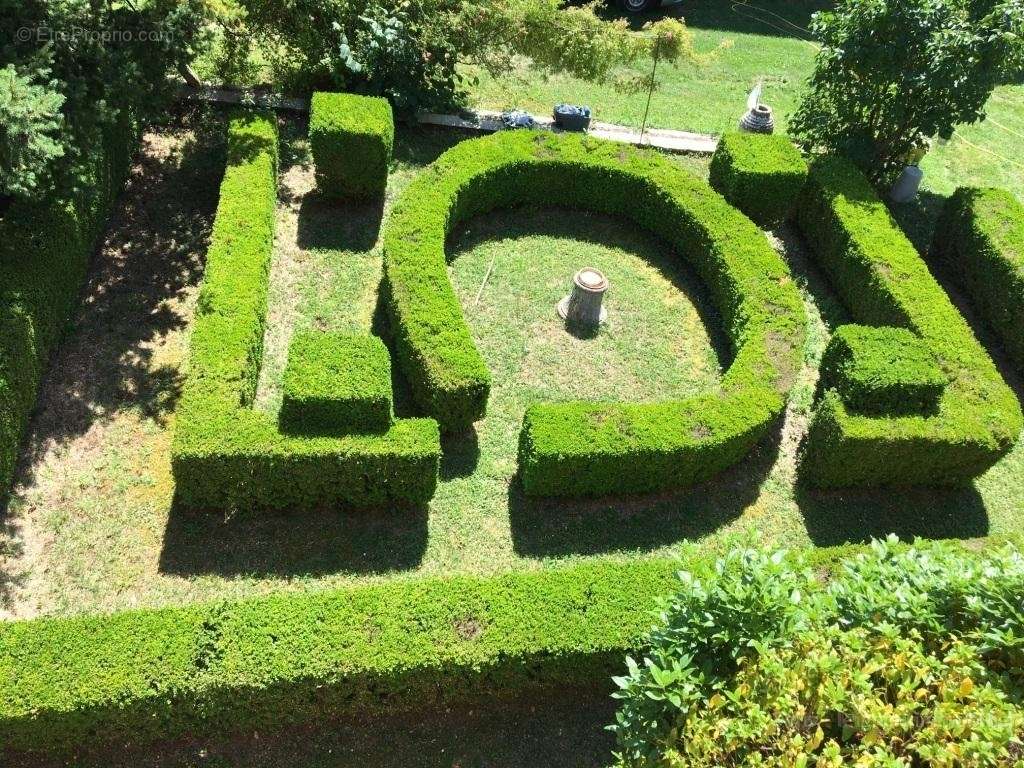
[581,448]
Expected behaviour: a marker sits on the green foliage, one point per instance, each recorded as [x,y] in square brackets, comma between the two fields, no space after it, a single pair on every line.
[589,448]
[891,73]
[29,121]
[762,175]
[882,370]
[883,281]
[352,138]
[294,658]
[409,51]
[980,239]
[903,656]
[104,63]
[336,383]
[224,453]
[45,248]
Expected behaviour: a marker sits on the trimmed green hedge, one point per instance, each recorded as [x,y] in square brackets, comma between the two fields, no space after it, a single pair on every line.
[352,138]
[980,238]
[884,281]
[224,453]
[45,250]
[760,174]
[336,383]
[882,370]
[588,448]
[138,676]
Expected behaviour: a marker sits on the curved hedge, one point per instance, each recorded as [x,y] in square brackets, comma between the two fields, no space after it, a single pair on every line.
[884,282]
[591,448]
[226,454]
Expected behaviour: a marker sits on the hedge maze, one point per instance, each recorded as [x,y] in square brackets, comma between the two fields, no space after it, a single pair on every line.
[884,283]
[225,454]
[579,448]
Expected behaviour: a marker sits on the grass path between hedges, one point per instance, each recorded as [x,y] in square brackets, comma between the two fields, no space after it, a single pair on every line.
[93,526]
[752,40]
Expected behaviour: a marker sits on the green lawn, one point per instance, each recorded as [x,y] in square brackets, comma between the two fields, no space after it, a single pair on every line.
[93,523]
[763,39]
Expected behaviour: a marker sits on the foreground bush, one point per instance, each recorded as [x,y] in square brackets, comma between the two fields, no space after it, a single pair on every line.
[904,657]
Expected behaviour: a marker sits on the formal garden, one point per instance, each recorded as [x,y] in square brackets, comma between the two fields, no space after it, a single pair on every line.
[332,437]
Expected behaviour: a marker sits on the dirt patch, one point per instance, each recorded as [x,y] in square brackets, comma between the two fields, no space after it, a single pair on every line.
[108,397]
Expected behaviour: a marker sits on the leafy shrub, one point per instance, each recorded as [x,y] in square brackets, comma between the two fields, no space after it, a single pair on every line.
[274,660]
[336,383]
[980,239]
[45,248]
[590,448]
[352,138]
[68,64]
[882,370]
[889,75]
[883,281]
[410,52]
[903,657]
[225,454]
[762,175]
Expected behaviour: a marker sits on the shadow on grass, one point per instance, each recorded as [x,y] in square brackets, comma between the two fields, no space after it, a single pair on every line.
[299,543]
[542,727]
[325,224]
[555,527]
[854,515]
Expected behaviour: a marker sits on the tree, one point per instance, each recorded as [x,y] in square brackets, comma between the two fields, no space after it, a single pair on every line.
[409,50]
[95,61]
[30,120]
[893,73]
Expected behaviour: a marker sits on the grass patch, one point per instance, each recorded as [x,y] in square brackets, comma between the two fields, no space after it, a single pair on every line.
[764,39]
[93,525]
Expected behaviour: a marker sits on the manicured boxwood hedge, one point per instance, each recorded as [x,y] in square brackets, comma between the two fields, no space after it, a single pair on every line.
[980,238]
[586,448]
[45,249]
[884,281]
[336,383]
[760,174]
[352,138]
[882,370]
[224,453]
[69,684]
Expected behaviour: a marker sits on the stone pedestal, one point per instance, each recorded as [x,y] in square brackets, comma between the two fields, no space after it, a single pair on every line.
[582,309]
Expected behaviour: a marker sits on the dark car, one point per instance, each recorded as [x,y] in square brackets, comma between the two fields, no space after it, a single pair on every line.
[643,6]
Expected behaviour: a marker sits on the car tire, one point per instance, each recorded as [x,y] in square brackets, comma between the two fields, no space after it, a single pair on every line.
[638,6]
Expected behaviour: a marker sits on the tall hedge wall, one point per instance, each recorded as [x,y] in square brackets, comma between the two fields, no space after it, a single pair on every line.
[68,684]
[45,250]
[884,282]
[224,453]
[589,448]
[980,237]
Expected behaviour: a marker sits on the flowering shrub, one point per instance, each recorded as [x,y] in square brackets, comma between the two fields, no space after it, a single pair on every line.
[902,657]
